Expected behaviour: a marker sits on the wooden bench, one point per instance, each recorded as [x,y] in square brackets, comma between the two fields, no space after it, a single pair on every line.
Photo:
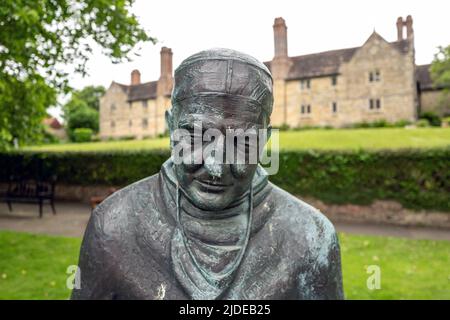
[96,200]
[29,190]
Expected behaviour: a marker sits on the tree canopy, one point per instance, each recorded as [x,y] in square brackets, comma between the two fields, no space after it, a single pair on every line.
[440,68]
[81,111]
[39,39]
[440,74]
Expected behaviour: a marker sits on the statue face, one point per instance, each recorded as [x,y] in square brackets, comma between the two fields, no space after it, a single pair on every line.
[209,184]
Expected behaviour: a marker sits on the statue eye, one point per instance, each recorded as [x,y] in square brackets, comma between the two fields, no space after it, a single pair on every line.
[194,136]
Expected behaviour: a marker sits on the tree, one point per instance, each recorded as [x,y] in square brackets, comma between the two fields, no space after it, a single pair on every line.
[440,72]
[81,116]
[39,38]
[90,95]
[81,111]
[440,68]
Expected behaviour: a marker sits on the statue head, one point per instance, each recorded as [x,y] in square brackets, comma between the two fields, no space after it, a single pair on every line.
[221,100]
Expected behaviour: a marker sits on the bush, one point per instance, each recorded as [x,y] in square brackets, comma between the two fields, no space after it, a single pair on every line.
[381,124]
[422,123]
[432,118]
[416,178]
[96,138]
[401,123]
[49,138]
[283,127]
[446,122]
[125,138]
[83,117]
[82,135]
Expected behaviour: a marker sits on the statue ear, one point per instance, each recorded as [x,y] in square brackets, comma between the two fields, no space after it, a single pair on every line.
[169,123]
[169,119]
[269,132]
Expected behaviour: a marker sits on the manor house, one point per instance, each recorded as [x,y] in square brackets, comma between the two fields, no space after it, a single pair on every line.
[376,81]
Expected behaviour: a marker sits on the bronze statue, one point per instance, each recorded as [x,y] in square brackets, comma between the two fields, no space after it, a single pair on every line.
[205,229]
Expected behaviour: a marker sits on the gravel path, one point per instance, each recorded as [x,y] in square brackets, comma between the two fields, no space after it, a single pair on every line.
[71,219]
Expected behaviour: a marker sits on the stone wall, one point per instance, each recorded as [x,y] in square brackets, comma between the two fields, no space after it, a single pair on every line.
[347,101]
[131,119]
[396,90]
[114,110]
[435,101]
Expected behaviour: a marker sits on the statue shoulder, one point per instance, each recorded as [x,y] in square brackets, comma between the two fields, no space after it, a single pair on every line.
[116,212]
[308,229]
[309,245]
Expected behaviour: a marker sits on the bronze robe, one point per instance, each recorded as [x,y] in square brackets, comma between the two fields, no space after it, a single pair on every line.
[147,241]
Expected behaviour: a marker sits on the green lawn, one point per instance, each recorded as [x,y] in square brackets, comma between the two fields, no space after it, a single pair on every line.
[380,138]
[34,266]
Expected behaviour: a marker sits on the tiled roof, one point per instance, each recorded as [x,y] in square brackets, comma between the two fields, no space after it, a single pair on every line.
[328,62]
[319,64]
[143,91]
[423,77]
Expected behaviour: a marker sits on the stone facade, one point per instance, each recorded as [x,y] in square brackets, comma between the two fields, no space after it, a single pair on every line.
[430,97]
[377,81]
[434,101]
[137,110]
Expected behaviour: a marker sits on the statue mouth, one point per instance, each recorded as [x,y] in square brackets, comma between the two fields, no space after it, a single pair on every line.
[211,185]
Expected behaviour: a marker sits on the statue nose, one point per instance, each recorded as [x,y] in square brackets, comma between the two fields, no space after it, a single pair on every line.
[214,168]
[214,162]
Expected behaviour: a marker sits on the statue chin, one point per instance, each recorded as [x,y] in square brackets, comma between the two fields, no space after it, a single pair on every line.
[207,200]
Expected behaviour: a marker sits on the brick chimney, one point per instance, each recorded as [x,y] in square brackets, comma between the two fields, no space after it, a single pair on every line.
[279,67]
[280,37]
[409,27]
[399,28]
[165,81]
[281,63]
[408,23]
[135,77]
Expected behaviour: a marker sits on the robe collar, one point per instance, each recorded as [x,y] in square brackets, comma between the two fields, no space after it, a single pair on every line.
[207,247]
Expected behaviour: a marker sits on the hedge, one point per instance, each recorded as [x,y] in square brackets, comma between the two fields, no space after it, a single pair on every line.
[418,179]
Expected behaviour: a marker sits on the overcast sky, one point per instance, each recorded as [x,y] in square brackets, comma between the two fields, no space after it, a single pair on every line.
[246,25]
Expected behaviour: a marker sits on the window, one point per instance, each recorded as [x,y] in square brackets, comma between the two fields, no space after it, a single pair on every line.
[305,84]
[374,104]
[305,109]
[334,80]
[334,107]
[113,106]
[378,104]
[130,123]
[377,75]
[113,124]
[144,123]
[374,76]
[145,103]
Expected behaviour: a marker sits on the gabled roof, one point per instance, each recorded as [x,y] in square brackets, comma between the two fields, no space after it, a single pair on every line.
[52,122]
[319,64]
[143,91]
[328,63]
[423,76]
